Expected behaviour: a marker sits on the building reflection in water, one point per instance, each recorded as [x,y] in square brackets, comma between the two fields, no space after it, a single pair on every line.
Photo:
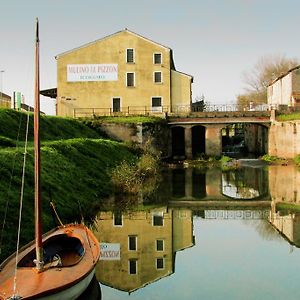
[284,183]
[148,240]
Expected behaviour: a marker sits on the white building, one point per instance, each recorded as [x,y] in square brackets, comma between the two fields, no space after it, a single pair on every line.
[285,90]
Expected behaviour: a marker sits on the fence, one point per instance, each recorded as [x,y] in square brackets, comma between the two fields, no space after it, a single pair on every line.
[178,109]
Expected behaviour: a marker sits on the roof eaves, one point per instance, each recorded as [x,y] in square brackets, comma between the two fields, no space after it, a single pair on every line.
[284,74]
[185,74]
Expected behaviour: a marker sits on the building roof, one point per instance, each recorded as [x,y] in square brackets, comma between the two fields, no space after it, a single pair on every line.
[109,36]
[4,96]
[284,74]
[185,74]
[51,93]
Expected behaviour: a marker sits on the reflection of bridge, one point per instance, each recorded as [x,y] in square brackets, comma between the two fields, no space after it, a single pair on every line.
[221,205]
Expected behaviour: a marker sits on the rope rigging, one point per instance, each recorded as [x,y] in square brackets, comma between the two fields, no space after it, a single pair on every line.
[21,202]
[10,184]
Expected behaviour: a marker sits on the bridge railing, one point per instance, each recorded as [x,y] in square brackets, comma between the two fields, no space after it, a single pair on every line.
[122,111]
[177,109]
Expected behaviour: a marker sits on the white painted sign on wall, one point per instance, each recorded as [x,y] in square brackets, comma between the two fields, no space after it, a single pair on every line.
[92,72]
[109,251]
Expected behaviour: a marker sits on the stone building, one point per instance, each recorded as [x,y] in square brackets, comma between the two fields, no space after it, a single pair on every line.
[121,73]
[284,91]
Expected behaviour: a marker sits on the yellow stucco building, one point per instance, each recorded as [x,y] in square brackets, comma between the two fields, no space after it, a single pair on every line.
[121,73]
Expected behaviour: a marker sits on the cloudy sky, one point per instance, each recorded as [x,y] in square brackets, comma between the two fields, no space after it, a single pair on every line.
[213,40]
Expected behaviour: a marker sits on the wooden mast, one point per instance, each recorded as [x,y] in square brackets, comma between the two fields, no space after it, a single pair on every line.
[37,167]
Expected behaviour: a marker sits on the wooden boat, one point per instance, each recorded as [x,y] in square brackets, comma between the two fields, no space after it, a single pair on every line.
[57,265]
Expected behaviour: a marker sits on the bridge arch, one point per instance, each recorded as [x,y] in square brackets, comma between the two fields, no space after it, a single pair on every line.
[239,139]
[178,141]
[198,140]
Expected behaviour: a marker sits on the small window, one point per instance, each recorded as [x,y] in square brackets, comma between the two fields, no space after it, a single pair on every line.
[159,245]
[132,243]
[130,79]
[157,58]
[132,266]
[118,220]
[116,104]
[156,101]
[157,77]
[160,263]
[130,55]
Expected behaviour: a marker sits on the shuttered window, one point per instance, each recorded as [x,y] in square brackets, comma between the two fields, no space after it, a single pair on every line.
[157,58]
[130,55]
[130,79]
[157,77]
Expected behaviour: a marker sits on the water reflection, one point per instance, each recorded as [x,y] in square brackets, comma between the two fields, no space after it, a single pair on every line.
[213,184]
[148,241]
[150,235]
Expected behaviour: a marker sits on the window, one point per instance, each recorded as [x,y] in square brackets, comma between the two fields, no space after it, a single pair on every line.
[132,266]
[156,101]
[130,79]
[157,77]
[159,245]
[157,58]
[156,104]
[116,104]
[132,243]
[160,263]
[158,219]
[118,220]
[130,55]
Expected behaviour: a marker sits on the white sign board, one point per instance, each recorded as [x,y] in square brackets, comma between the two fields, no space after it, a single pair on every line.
[109,251]
[92,72]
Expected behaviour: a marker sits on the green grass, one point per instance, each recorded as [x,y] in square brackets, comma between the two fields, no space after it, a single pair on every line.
[13,126]
[76,166]
[288,117]
[75,172]
[288,207]
[271,159]
[297,160]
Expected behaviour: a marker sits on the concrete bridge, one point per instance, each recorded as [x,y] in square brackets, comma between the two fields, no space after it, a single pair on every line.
[201,132]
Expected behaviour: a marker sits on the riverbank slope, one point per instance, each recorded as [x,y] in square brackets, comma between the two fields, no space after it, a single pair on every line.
[76,166]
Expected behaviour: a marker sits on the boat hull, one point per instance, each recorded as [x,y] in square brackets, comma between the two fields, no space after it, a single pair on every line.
[76,251]
[73,292]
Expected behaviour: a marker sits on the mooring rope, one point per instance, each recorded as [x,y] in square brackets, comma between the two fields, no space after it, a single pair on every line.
[9,185]
[21,203]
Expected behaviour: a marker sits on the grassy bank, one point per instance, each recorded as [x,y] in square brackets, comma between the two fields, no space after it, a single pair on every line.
[75,173]
[288,117]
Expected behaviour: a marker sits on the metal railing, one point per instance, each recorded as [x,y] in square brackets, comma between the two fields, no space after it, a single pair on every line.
[123,111]
[178,109]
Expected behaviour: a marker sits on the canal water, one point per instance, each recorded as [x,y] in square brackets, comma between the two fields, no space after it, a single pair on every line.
[205,235]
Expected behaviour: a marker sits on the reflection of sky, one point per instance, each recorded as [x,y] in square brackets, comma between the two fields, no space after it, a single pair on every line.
[229,261]
[233,191]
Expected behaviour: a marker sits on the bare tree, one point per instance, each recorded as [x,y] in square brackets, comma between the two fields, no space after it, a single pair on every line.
[267,69]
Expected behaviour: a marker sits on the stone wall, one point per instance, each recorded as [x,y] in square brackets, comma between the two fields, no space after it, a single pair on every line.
[140,133]
[284,139]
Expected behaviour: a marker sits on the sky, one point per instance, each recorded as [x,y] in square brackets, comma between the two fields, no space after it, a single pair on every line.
[215,41]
